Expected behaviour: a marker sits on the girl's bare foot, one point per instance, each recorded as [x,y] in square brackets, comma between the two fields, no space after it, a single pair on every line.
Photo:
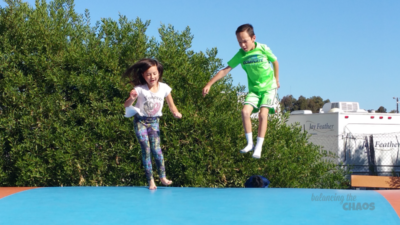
[152,185]
[165,181]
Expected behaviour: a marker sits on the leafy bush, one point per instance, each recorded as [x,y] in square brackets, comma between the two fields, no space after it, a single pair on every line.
[61,109]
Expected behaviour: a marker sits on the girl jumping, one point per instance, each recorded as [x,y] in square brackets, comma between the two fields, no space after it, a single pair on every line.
[150,93]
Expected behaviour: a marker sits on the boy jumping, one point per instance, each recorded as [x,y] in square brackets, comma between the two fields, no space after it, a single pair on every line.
[263,82]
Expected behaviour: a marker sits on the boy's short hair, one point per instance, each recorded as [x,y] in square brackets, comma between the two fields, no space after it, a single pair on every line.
[246,27]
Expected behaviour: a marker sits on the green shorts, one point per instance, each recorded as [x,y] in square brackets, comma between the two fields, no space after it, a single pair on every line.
[264,99]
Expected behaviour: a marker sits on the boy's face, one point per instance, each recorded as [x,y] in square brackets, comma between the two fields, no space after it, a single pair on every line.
[245,41]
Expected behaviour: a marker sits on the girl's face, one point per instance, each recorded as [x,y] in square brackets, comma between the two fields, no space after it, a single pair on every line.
[151,76]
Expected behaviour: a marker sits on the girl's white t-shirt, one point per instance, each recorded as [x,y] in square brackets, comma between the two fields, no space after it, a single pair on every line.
[148,103]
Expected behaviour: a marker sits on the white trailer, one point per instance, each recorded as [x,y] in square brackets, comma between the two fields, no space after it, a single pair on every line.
[367,141]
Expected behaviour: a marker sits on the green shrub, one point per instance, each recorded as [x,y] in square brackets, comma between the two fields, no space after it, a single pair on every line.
[61,109]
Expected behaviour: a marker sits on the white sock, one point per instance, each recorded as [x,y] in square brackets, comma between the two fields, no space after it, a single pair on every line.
[258,148]
[249,147]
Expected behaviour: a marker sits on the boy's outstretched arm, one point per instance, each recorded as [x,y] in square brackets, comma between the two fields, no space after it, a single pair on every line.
[276,73]
[172,107]
[217,77]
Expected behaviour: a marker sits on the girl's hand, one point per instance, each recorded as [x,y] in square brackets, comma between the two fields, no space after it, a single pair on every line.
[177,115]
[132,97]
[133,94]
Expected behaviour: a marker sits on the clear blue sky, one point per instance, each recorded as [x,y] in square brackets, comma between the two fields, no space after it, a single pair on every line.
[340,50]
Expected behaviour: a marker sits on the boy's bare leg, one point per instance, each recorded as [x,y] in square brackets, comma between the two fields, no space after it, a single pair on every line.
[262,129]
[246,113]
[262,122]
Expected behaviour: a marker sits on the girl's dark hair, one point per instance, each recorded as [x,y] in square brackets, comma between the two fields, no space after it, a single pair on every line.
[135,72]
[246,27]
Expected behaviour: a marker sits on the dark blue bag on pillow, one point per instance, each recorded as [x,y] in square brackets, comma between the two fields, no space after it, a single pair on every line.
[257,181]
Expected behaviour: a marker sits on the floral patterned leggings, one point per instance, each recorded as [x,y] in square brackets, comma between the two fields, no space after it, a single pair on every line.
[147,131]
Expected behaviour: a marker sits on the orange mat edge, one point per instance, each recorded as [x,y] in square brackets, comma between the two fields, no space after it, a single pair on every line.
[393,197]
[6,191]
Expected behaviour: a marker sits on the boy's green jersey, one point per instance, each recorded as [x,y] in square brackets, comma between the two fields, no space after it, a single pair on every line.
[256,63]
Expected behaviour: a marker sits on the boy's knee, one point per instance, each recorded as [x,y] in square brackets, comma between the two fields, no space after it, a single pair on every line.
[246,112]
[263,113]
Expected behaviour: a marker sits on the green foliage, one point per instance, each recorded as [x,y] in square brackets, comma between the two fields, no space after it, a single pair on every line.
[61,109]
[289,103]
[381,109]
